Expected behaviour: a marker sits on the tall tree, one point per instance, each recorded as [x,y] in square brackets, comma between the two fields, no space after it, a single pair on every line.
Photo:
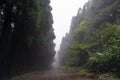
[26,36]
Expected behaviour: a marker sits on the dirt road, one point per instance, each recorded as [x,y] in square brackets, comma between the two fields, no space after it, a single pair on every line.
[52,74]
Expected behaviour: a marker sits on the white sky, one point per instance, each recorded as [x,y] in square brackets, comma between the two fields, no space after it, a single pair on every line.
[63,11]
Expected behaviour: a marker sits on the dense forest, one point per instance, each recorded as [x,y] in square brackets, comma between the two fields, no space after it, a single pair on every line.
[26,36]
[93,42]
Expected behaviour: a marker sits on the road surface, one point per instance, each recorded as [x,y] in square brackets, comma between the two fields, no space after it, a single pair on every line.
[52,74]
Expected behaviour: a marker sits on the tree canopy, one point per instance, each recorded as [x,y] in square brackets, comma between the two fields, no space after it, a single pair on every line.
[26,36]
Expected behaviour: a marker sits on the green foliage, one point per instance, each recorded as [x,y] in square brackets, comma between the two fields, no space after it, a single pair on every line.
[95,40]
[76,69]
[108,9]
[109,54]
[29,40]
[84,46]
[9,1]
[36,11]
[81,27]
[106,32]
[15,78]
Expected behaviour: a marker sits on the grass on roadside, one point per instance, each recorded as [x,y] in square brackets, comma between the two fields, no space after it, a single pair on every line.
[84,73]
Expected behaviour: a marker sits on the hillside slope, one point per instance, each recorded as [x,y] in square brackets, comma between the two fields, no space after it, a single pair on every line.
[93,42]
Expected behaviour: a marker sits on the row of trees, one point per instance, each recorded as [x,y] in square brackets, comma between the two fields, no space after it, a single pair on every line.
[26,36]
[93,42]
